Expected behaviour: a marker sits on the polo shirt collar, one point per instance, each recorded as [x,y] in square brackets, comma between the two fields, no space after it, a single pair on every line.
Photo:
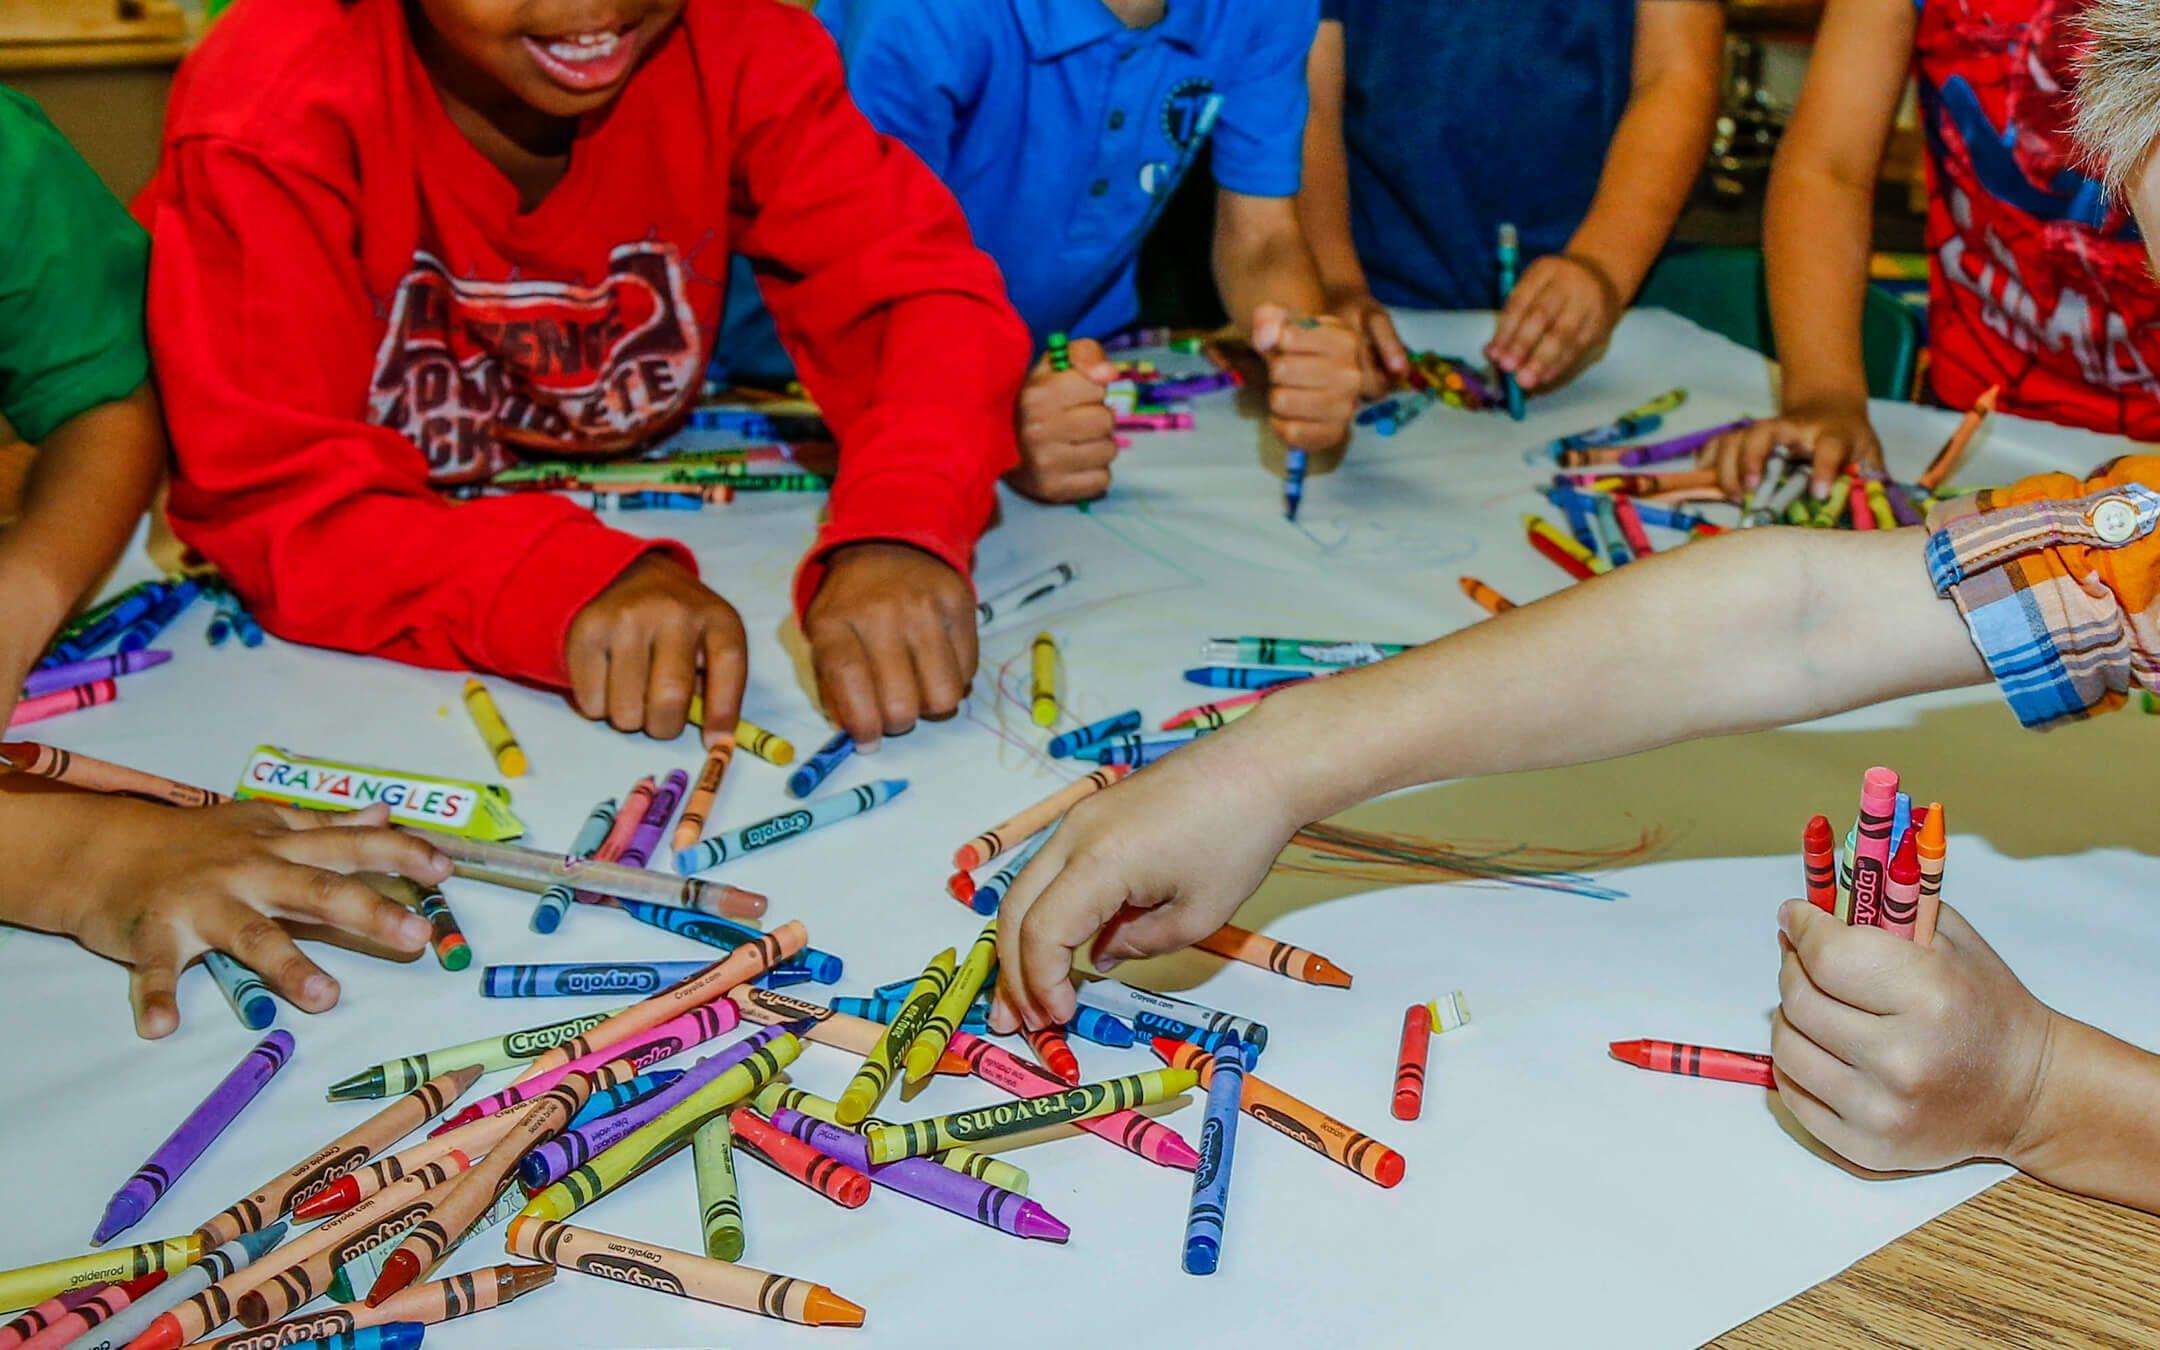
[1056,28]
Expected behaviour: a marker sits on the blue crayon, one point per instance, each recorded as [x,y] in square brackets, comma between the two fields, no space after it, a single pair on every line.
[1101,1028]
[1612,433]
[610,1100]
[648,501]
[991,893]
[897,989]
[1293,482]
[819,766]
[1244,677]
[752,425]
[780,977]
[220,629]
[1070,743]
[555,901]
[886,1009]
[1581,511]
[1211,1179]
[714,931]
[144,631]
[107,627]
[829,809]
[1900,821]
[1669,517]
[611,979]
[1158,1024]
[1616,545]
[248,996]
[1403,409]
[388,1336]
[1141,751]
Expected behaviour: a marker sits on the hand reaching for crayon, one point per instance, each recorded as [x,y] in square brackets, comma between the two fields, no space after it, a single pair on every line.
[1557,321]
[155,887]
[643,646]
[1827,434]
[1383,360]
[1151,865]
[1068,435]
[1313,377]
[1902,1057]
[892,635]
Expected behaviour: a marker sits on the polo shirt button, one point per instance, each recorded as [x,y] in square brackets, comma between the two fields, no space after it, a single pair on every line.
[1117,119]
[2115,520]
[1098,187]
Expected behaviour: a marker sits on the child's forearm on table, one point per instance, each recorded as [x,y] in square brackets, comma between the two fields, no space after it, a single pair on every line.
[1728,635]
[2094,1126]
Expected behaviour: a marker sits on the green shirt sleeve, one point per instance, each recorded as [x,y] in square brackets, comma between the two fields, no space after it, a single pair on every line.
[73,266]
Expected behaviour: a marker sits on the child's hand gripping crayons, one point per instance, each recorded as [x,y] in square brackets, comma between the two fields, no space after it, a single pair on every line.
[643,646]
[1903,1057]
[1827,434]
[892,635]
[153,888]
[1313,376]
[1556,321]
[1068,434]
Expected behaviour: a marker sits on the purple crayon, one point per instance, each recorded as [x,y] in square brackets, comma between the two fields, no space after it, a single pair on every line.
[53,678]
[1679,447]
[927,1181]
[192,1136]
[646,837]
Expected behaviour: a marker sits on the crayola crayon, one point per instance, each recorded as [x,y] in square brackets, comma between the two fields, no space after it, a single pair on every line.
[1042,680]
[1819,864]
[620,1097]
[1699,1061]
[867,1087]
[124,1326]
[912,1139]
[1900,820]
[144,631]
[1024,594]
[670,1038]
[1540,527]
[1210,1209]
[986,898]
[53,679]
[360,1183]
[819,766]
[776,750]
[654,823]
[1219,711]
[360,1272]
[1832,509]
[244,992]
[1257,949]
[714,931]
[1049,1046]
[194,1134]
[591,876]
[1871,856]
[311,1264]
[1509,262]
[821,1024]
[101,623]
[682,1274]
[50,1312]
[1631,526]
[1409,1063]
[1132,1004]
[701,796]
[395,1076]
[811,815]
[98,1306]
[720,1208]
[437,1301]
[1901,888]
[1559,556]
[1129,1130]
[966,1161]
[973,972]
[1244,677]
[1863,509]
[1946,460]
[61,701]
[1094,733]
[1616,544]
[797,1160]
[884,1010]
[452,951]
[1141,751]
[1318,653]
[1309,1125]
[583,980]
[991,842]
[28,1285]
[1930,847]
[487,719]
[555,901]
[921,1179]
[1484,596]
[1100,1028]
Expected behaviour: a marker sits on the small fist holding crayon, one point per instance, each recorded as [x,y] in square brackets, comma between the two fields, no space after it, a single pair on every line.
[1068,435]
[1902,1057]
[1383,360]
[154,887]
[1313,376]
[1827,433]
[1557,321]
[892,636]
[643,646]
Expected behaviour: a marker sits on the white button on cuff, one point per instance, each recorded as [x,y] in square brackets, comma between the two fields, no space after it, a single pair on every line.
[2114,520]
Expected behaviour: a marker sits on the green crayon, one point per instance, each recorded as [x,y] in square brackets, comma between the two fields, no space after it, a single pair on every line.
[966,1161]
[867,1088]
[712,1148]
[952,1005]
[394,1077]
[889,1143]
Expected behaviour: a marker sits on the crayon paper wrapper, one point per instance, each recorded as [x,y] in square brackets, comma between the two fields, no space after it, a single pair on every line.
[1341,653]
[474,810]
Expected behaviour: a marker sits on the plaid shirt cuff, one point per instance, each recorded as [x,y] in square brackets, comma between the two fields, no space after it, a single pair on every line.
[2027,573]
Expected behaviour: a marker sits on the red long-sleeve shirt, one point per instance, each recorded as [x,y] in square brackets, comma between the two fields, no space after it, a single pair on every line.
[349,310]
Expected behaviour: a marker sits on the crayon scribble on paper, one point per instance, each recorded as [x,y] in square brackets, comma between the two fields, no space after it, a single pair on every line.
[1325,850]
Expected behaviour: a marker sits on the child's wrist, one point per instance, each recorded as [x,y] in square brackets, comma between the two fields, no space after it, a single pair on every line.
[2052,1117]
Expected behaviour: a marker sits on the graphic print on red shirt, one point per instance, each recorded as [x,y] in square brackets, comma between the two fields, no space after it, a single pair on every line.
[2039,282]
[467,369]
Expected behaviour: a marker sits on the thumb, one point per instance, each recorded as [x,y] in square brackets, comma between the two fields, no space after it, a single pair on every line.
[1088,358]
[1393,354]
[1267,327]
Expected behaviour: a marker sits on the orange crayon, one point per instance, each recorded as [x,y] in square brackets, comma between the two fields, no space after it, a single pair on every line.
[1484,596]
[991,842]
[1309,1125]
[1932,847]
[1946,460]
[1257,949]
[689,828]
[667,1271]
[439,1301]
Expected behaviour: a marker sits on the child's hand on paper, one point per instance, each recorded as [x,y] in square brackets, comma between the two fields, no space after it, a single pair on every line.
[1901,1057]
[1557,322]
[644,645]
[892,636]
[1382,358]
[1313,376]
[1068,435]
[153,887]
[1153,864]
[1828,433]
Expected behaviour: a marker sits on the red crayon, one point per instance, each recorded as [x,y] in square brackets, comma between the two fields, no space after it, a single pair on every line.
[1055,1052]
[960,886]
[1818,861]
[1410,1062]
[1901,896]
[792,1157]
[1559,557]
[1698,1061]
[1631,526]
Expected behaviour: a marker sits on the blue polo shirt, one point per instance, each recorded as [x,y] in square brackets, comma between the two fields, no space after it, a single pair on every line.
[1461,115]
[1063,132]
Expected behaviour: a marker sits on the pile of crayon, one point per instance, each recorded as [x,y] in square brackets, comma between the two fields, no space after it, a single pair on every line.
[1434,378]
[1143,399]
[73,674]
[681,480]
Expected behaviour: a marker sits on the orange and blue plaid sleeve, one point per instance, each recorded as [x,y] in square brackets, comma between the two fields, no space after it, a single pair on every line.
[2059,582]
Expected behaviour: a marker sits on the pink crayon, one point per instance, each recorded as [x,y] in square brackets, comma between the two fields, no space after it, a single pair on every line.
[60,701]
[655,820]
[694,1027]
[1163,421]
[1871,851]
[1129,1130]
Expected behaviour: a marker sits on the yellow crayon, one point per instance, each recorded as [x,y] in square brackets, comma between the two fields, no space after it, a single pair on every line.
[867,1087]
[952,1005]
[1451,1013]
[1565,542]
[914,1138]
[1879,502]
[488,720]
[749,736]
[1042,684]
[34,1284]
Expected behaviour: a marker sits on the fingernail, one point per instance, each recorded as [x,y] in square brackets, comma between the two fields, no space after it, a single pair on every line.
[1785,918]
[412,930]
[867,747]
[441,862]
[1105,964]
[320,988]
[1820,491]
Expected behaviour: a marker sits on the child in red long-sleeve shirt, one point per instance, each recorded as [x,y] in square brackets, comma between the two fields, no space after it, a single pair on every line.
[394,244]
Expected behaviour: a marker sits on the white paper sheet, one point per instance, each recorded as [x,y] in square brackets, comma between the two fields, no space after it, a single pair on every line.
[1553,1196]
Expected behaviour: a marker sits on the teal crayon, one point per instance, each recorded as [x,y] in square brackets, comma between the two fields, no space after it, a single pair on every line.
[811,815]
[555,901]
[1299,653]
[1071,743]
[1510,262]
[244,992]
[714,931]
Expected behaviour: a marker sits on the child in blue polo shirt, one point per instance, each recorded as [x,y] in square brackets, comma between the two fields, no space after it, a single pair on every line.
[1582,122]
[1063,126]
